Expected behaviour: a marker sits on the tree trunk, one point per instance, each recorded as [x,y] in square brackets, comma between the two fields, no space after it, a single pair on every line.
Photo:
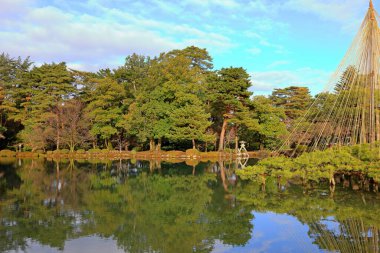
[126,146]
[222,134]
[158,147]
[58,133]
[58,140]
[151,145]
[236,143]
[194,144]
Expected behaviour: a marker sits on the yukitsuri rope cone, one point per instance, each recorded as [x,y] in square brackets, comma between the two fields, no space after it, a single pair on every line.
[348,111]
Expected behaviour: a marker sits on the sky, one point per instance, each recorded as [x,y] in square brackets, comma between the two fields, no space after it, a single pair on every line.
[279,42]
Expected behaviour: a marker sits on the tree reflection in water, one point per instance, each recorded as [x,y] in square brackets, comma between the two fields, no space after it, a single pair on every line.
[155,206]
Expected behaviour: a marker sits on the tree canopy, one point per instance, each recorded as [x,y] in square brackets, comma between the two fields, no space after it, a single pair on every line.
[176,100]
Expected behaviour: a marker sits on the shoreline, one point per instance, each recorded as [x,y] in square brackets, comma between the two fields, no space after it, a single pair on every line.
[143,155]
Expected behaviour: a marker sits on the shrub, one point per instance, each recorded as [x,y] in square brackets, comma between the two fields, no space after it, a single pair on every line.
[80,151]
[94,150]
[7,153]
[192,152]
[64,151]
[136,149]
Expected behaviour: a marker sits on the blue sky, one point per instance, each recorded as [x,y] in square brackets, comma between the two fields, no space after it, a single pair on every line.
[279,42]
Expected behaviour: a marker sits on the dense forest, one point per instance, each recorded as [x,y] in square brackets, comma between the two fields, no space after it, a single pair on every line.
[176,100]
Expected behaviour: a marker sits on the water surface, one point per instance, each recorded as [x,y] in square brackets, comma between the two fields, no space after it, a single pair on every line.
[154,206]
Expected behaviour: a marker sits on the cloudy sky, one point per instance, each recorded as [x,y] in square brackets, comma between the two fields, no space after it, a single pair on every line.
[279,42]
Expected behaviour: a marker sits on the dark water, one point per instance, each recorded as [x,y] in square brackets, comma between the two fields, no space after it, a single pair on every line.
[136,206]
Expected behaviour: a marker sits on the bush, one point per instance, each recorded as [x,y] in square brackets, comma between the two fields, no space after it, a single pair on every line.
[229,150]
[80,151]
[192,152]
[301,149]
[136,149]
[94,151]
[64,151]
[7,153]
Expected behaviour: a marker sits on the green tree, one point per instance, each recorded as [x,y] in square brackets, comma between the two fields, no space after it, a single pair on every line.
[200,58]
[13,73]
[105,108]
[295,100]
[229,96]
[271,128]
[47,88]
[189,121]
[176,86]
[133,74]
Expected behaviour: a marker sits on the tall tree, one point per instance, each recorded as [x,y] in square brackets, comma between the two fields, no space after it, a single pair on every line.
[106,108]
[189,121]
[199,57]
[271,128]
[229,95]
[156,111]
[295,100]
[48,86]
[12,81]
[133,74]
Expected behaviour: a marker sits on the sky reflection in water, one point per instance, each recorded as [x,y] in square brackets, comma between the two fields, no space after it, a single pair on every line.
[164,207]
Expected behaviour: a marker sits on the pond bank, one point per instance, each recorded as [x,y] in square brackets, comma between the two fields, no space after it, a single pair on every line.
[106,154]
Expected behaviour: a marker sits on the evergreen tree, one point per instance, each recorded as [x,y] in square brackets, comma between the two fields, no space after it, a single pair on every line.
[295,100]
[270,128]
[47,88]
[105,108]
[12,80]
[189,121]
[229,96]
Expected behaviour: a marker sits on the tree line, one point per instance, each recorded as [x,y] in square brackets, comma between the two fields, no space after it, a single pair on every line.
[176,100]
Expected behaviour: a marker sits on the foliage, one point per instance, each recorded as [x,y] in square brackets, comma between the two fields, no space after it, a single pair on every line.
[175,99]
[356,158]
[106,108]
[269,128]
[229,99]
[295,100]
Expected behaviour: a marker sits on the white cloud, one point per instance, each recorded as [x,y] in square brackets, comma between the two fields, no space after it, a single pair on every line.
[334,10]
[254,51]
[83,40]
[264,82]
[13,6]
[264,6]
[262,41]
[223,3]
[279,63]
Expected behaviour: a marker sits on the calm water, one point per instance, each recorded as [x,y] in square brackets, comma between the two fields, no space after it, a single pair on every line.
[142,206]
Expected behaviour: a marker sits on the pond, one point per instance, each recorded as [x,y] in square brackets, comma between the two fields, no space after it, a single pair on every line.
[156,206]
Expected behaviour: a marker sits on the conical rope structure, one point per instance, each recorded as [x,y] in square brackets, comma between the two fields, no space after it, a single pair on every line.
[347,112]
